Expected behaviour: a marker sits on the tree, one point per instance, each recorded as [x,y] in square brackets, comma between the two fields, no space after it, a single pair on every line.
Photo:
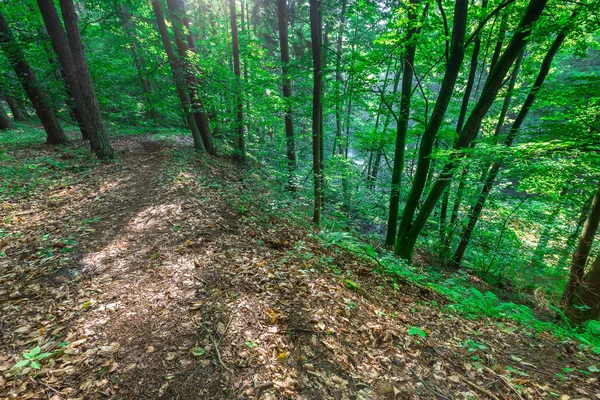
[490,180]
[402,124]
[457,52]
[4,119]
[17,112]
[54,132]
[282,12]
[129,29]
[97,132]
[409,229]
[178,75]
[582,289]
[239,124]
[61,48]
[185,43]
[315,34]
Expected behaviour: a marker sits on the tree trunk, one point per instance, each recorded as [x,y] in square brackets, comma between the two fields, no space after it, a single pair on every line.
[457,53]
[582,251]
[459,125]
[97,133]
[338,81]
[14,109]
[4,119]
[129,29]
[54,132]
[475,212]
[239,124]
[185,43]
[178,76]
[61,48]
[402,125]
[492,86]
[282,11]
[315,33]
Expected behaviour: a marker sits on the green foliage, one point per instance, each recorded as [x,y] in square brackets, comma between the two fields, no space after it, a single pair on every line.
[32,359]
[416,331]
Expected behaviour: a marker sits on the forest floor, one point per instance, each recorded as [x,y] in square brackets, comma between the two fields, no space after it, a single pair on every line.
[145,282]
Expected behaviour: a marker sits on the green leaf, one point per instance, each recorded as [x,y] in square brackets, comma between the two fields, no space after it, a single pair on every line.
[43,355]
[35,351]
[416,331]
[198,351]
[593,368]
[35,365]
[21,364]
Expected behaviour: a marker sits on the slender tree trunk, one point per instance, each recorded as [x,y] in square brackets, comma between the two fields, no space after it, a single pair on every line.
[59,76]
[457,53]
[54,132]
[584,290]
[129,29]
[97,132]
[178,76]
[501,119]
[475,212]
[282,13]
[185,43]
[239,125]
[459,125]
[402,125]
[5,122]
[315,33]
[493,84]
[338,81]
[14,109]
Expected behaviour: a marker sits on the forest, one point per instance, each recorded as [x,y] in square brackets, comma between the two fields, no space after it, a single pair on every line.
[283,199]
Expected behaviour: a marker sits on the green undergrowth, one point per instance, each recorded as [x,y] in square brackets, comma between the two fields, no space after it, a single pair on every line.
[27,165]
[465,299]
[260,197]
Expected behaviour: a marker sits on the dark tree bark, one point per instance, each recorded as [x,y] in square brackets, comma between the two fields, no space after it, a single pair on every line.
[16,111]
[178,76]
[455,60]
[54,132]
[475,212]
[282,15]
[185,43]
[406,243]
[315,34]
[402,125]
[60,45]
[5,122]
[239,125]
[95,126]
[447,235]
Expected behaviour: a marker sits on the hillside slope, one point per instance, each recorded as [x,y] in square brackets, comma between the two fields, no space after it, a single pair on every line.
[145,279]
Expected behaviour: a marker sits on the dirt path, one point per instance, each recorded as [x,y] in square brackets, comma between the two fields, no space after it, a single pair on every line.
[171,293]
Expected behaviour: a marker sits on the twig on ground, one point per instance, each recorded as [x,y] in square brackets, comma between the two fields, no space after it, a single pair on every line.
[506,382]
[427,387]
[48,387]
[478,388]
[261,388]
[225,367]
